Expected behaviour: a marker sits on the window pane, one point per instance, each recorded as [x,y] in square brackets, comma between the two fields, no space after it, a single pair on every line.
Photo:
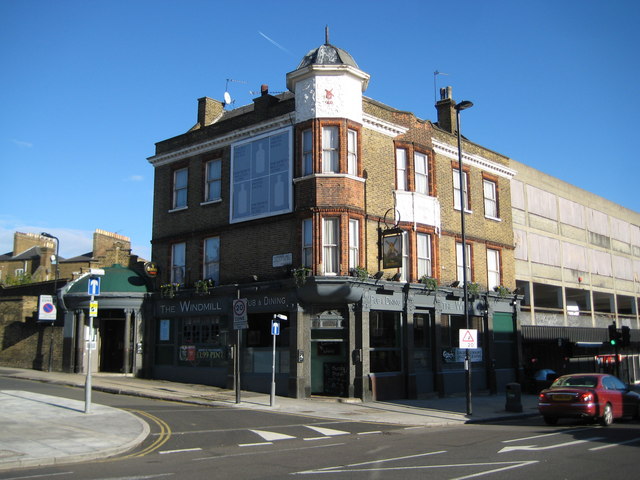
[177,262]
[424,255]
[330,149]
[493,268]
[354,243]
[401,169]
[456,189]
[421,173]
[214,168]
[459,262]
[180,188]
[307,242]
[307,153]
[330,245]
[352,147]
[490,199]
[212,259]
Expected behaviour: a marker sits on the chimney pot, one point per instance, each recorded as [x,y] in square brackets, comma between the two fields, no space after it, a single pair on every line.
[264,89]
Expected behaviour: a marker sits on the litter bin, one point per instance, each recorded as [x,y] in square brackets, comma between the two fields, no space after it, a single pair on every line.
[514,398]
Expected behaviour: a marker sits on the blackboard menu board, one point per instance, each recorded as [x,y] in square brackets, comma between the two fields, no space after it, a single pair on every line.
[335,379]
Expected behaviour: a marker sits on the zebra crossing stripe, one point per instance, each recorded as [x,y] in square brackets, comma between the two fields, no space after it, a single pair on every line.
[271,436]
[329,432]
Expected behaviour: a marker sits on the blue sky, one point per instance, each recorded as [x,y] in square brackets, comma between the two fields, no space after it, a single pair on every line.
[88,87]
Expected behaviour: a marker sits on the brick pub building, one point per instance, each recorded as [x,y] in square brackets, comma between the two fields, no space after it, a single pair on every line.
[343,214]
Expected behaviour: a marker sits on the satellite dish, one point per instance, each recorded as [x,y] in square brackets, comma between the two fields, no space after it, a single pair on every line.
[227,98]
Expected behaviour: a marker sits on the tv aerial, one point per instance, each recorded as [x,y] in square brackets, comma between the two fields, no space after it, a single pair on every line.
[227,96]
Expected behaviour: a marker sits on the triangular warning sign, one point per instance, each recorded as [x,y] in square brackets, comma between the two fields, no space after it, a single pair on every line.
[468,337]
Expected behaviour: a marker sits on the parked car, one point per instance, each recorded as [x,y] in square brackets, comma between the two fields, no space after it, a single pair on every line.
[594,396]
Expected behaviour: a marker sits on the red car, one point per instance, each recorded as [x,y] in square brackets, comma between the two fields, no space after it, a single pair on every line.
[595,396]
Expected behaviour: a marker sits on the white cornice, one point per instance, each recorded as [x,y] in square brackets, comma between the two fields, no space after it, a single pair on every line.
[221,141]
[473,160]
[382,126]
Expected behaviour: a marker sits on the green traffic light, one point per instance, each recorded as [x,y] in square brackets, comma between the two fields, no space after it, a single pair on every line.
[613,342]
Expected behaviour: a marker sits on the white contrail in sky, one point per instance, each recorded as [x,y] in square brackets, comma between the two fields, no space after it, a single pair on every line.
[275,43]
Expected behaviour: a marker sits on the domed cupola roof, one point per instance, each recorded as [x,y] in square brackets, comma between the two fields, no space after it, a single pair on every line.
[327,54]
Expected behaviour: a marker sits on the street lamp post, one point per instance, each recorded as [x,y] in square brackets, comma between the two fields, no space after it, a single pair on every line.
[467,361]
[55,292]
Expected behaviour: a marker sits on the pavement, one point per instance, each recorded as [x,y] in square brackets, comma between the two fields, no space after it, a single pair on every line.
[38,430]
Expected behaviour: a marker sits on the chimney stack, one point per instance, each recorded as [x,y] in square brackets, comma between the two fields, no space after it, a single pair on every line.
[209,110]
[446,110]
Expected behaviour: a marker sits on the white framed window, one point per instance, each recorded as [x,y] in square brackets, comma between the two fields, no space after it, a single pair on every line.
[178,262]
[493,268]
[352,152]
[330,243]
[213,180]
[459,263]
[354,243]
[490,198]
[424,255]
[421,168]
[307,152]
[401,169]
[211,260]
[307,243]
[456,189]
[404,271]
[180,182]
[330,142]
[19,272]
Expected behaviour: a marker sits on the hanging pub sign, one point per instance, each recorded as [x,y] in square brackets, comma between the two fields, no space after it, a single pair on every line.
[392,248]
[151,269]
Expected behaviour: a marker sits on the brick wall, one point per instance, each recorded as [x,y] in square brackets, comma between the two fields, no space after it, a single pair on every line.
[25,343]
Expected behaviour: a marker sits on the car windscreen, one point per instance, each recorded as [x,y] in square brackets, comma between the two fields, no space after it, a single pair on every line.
[587,381]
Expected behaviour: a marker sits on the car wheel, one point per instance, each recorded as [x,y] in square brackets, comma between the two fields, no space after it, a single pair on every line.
[607,416]
[550,420]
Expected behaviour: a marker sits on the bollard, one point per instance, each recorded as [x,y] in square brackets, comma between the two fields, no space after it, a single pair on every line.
[514,398]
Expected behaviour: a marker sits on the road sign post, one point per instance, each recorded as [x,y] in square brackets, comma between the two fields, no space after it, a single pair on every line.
[93,289]
[240,322]
[275,331]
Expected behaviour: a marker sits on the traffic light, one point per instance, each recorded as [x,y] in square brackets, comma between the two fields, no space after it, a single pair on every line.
[625,337]
[614,335]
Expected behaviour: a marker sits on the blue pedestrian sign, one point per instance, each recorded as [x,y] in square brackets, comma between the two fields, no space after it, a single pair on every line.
[275,327]
[94,286]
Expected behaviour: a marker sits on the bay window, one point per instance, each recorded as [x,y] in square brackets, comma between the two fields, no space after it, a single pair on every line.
[330,142]
[330,246]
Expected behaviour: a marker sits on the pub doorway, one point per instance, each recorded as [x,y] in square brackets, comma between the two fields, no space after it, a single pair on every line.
[329,362]
[112,345]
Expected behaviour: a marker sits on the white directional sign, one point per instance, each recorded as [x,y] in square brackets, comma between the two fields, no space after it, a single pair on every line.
[468,338]
[94,286]
[275,327]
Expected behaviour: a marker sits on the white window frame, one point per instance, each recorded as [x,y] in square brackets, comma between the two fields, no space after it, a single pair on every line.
[459,276]
[423,241]
[490,192]
[352,152]
[180,188]
[354,243]
[330,146]
[456,189]
[211,259]
[213,185]
[404,271]
[178,262]
[307,152]
[493,268]
[330,245]
[401,169]
[421,172]
[307,243]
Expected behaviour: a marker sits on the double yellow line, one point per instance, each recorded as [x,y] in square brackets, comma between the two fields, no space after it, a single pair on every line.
[163,436]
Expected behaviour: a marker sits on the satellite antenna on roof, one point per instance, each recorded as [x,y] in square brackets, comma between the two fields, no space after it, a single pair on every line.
[435,74]
[227,96]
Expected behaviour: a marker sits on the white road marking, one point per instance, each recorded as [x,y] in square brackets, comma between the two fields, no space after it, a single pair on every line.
[329,432]
[271,436]
[611,445]
[535,448]
[334,469]
[254,444]
[562,432]
[39,476]
[164,452]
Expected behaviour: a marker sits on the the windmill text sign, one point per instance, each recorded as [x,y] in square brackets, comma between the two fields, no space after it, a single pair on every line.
[468,338]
